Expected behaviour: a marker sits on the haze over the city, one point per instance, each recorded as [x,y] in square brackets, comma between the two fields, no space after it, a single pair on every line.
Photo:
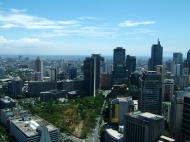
[83,27]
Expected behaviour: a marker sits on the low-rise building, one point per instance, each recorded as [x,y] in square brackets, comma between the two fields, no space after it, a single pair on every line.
[35,87]
[33,129]
[166,139]
[113,136]
[52,95]
[7,102]
[119,107]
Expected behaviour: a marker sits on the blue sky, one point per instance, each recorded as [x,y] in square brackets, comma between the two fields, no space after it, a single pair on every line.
[83,27]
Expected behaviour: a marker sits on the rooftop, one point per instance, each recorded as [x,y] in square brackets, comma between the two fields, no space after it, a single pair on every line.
[167,138]
[114,134]
[7,99]
[29,125]
[123,99]
[145,115]
[150,115]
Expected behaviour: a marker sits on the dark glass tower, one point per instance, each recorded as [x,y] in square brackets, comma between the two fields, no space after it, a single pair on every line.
[177,58]
[119,69]
[188,56]
[150,99]
[130,64]
[119,57]
[143,127]
[156,56]
[186,119]
[92,71]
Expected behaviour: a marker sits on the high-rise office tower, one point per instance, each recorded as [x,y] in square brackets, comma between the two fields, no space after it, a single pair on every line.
[143,127]
[130,64]
[119,57]
[177,70]
[92,72]
[186,119]
[186,63]
[119,69]
[72,73]
[156,56]
[176,116]
[150,98]
[177,58]
[53,74]
[178,75]
[14,87]
[186,75]
[39,66]
[161,70]
[188,56]
[168,89]
[135,85]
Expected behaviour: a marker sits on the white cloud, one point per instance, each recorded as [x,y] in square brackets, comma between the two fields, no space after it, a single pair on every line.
[81,26]
[82,31]
[19,18]
[23,42]
[3,39]
[87,18]
[130,23]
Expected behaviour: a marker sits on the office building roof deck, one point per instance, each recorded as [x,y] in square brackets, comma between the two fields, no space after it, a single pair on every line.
[123,99]
[29,125]
[114,134]
[7,99]
[145,115]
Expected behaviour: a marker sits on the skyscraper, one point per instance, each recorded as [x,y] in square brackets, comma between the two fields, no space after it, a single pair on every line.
[168,89]
[143,127]
[72,73]
[151,93]
[14,88]
[176,116]
[119,70]
[188,56]
[178,58]
[119,57]
[53,74]
[130,64]
[156,56]
[39,66]
[161,70]
[186,119]
[92,72]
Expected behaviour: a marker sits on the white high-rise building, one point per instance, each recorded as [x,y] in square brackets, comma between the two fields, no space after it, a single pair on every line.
[39,67]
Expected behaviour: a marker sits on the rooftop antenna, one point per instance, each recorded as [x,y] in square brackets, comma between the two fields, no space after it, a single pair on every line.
[158,41]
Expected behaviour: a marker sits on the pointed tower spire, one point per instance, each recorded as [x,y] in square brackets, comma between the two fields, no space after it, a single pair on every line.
[158,41]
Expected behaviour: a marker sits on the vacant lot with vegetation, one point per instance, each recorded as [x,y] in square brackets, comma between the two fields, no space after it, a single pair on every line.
[76,117]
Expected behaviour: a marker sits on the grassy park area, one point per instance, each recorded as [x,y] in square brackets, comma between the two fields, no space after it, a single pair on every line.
[76,117]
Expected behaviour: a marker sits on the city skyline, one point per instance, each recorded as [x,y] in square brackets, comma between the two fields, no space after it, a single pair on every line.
[82,28]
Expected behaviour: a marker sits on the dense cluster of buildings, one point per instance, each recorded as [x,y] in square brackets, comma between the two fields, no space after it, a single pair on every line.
[146,99]
[24,127]
[161,93]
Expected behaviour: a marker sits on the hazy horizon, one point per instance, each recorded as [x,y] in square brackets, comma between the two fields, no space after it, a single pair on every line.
[86,27]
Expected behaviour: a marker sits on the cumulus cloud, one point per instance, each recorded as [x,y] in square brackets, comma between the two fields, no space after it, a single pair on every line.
[130,23]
